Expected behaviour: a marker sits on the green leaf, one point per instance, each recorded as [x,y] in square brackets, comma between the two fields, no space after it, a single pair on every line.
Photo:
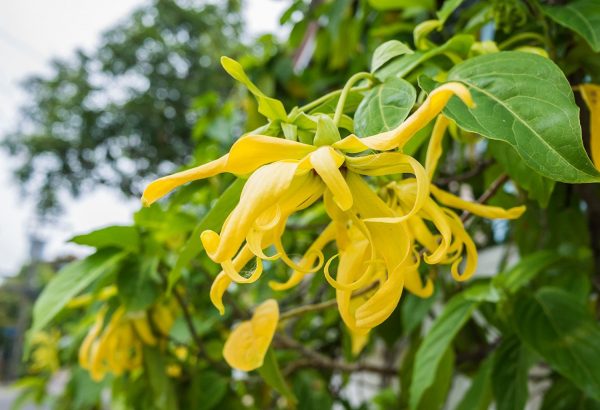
[510,374]
[414,309]
[388,51]
[581,16]
[137,288]
[447,9]
[525,100]
[435,397]
[207,390]
[162,388]
[126,237]
[526,270]
[559,328]
[562,395]
[271,374]
[384,107]
[435,344]
[479,394]
[71,280]
[213,221]
[538,187]
[267,106]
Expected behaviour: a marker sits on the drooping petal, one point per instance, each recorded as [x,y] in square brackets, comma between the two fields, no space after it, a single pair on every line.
[246,155]
[396,138]
[486,211]
[247,345]
[326,162]
[462,235]
[265,187]
[434,149]
[222,281]
[162,186]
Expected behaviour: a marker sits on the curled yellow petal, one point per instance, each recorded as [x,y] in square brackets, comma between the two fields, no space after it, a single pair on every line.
[326,162]
[388,163]
[222,281]
[247,345]
[265,187]
[396,138]
[486,211]
[313,253]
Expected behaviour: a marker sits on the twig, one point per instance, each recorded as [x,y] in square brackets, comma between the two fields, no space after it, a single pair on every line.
[476,170]
[316,359]
[490,192]
[323,305]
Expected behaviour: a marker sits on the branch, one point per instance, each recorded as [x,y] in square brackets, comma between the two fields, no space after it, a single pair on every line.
[476,170]
[323,305]
[490,192]
[318,360]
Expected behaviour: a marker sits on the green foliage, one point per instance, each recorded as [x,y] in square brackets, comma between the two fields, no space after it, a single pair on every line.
[529,318]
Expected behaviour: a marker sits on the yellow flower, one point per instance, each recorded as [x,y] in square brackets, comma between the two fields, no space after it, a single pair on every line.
[45,351]
[247,345]
[591,96]
[117,345]
[288,176]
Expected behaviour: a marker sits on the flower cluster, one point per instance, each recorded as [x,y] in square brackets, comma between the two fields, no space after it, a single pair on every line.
[381,237]
[115,344]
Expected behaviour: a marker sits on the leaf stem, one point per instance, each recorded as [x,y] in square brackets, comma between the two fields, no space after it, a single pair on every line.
[339,109]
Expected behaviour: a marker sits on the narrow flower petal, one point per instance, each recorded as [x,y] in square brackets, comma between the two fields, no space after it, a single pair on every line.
[326,161]
[162,186]
[591,96]
[396,138]
[313,253]
[434,149]
[486,211]
[246,155]
[247,345]
[222,281]
[265,187]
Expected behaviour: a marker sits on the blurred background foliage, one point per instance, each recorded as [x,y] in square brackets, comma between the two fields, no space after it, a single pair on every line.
[153,97]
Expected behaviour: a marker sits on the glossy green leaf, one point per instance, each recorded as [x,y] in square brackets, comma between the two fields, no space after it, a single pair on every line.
[414,309]
[267,106]
[271,374]
[435,397]
[388,51]
[562,331]
[537,186]
[479,394]
[135,282]
[213,221]
[456,313]
[525,100]
[384,107]
[526,270]
[126,237]
[510,374]
[581,16]
[162,389]
[70,281]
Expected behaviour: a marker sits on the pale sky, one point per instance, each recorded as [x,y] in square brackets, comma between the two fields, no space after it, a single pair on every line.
[32,32]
